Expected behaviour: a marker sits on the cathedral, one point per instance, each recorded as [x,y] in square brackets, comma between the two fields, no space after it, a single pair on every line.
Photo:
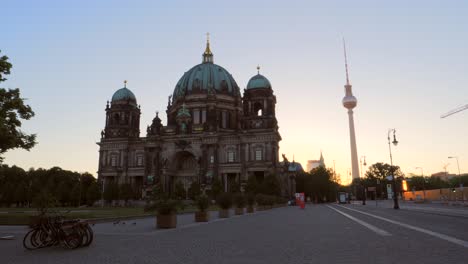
[212,132]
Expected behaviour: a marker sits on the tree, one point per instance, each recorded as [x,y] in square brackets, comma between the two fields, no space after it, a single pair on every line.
[179,191]
[216,188]
[252,185]
[12,110]
[125,192]
[92,194]
[194,190]
[270,185]
[381,170]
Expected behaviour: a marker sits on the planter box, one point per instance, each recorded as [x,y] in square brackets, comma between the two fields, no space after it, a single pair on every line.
[202,216]
[224,213]
[250,210]
[239,211]
[166,221]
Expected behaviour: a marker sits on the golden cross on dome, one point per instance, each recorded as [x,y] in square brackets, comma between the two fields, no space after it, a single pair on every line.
[208,37]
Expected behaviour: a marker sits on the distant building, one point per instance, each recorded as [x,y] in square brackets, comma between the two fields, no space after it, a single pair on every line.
[444,175]
[312,164]
[289,171]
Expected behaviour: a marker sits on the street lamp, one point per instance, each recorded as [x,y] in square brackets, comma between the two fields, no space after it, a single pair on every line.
[362,182]
[459,176]
[395,142]
[360,161]
[424,182]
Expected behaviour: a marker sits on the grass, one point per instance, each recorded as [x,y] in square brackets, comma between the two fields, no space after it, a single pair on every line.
[22,216]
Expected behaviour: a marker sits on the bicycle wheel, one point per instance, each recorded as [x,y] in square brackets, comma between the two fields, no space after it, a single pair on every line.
[28,240]
[72,238]
[89,233]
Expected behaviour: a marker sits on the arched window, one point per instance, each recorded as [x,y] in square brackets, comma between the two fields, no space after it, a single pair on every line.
[113,160]
[231,156]
[139,160]
[258,109]
[258,154]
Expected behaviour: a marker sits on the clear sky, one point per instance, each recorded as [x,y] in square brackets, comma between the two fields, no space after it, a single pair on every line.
[408,65]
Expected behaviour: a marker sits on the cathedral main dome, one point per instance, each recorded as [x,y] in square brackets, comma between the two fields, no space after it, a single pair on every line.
[206,77]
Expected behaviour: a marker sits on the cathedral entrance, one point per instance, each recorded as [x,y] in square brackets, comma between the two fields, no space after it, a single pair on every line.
[185,170]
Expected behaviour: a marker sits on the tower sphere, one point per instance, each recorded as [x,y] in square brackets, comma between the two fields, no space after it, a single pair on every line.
[349,101]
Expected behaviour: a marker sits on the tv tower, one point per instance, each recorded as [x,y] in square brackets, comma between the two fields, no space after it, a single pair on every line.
[349,102]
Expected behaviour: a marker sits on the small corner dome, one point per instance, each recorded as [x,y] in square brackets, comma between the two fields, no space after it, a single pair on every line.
[123,94]
[258,81]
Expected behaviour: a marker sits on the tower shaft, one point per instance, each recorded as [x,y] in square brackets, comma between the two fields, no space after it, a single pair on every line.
[352,138]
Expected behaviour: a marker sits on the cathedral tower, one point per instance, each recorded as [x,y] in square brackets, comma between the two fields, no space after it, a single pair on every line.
[122,116]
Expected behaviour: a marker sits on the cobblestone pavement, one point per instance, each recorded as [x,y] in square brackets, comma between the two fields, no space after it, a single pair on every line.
[318,234]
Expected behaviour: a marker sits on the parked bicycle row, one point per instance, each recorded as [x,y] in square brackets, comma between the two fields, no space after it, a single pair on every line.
[55,230]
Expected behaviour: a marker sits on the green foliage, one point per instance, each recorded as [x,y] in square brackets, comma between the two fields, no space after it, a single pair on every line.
[194,191]
[250,199]
[20,187]
[126,192]
[43,201]
[162,203]
[111,191]
[179,191]
[202,202]
[12,110]
[252,185]
[270,185]
[381,170]
[92,194]
[224,201]
[5,67]
[318,184]
[239,200]
[376,176]
[455,181]
[216,188]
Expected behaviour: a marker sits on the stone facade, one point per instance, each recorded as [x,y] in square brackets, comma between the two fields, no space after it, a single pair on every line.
[212,132]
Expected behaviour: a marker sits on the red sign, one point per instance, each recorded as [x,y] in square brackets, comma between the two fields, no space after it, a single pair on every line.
[300,200]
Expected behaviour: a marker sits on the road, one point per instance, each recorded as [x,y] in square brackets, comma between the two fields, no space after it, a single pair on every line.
[318,234]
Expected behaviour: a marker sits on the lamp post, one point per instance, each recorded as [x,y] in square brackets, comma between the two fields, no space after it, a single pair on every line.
[395,142]
[459,176]
[362,182]
[424,182]
[360,161]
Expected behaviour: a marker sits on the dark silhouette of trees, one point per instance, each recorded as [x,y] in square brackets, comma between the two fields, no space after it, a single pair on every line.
[19,187]
[319,184]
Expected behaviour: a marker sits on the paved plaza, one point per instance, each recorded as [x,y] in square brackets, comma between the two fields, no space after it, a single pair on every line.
[319,234]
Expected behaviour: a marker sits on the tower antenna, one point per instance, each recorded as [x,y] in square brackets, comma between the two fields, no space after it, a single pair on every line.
[346,61]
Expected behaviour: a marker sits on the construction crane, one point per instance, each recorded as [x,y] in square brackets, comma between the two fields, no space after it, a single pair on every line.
[454,111]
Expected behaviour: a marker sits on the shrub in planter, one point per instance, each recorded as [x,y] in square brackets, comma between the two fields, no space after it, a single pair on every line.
[261,201]
[240,201]
[224,202]
[165,207]
[202,202]
[250,203]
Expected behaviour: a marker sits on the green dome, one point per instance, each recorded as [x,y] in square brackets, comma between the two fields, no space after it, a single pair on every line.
[123,94]
[208,78]
[258,81]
